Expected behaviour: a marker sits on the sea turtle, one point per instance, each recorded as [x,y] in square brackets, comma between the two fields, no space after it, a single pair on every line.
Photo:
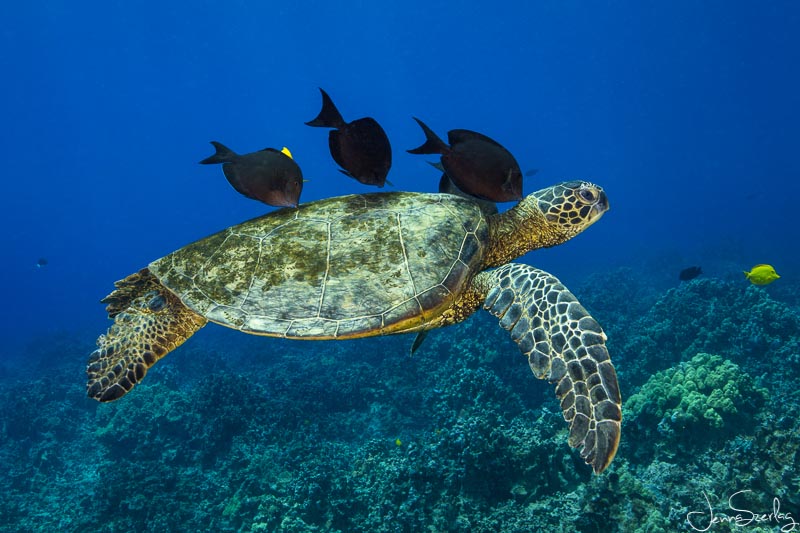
[377,264]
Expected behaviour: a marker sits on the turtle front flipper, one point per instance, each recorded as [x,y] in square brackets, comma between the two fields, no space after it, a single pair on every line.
[564,345]
[149,322]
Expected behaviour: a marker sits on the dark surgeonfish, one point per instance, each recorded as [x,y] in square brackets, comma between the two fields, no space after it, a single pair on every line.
[360,147]
[41,262]
[478,165]
[446,185]
[270,176]
[690,273]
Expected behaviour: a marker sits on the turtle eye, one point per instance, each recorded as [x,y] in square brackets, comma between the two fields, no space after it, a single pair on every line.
[587,195]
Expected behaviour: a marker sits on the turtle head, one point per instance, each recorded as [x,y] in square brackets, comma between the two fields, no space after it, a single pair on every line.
[545,218]
[569,207]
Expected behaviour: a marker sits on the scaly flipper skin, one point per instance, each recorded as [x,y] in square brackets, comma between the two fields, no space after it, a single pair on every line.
[149,322]
[564,345]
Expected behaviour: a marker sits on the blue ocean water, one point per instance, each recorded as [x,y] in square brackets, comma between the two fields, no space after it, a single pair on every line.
[687,113]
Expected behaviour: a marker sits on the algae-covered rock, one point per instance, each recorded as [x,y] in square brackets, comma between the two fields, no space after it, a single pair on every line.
[712,316]
[698,400]
[245,434]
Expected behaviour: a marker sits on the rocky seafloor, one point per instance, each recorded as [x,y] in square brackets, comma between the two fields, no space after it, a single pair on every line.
[241,433]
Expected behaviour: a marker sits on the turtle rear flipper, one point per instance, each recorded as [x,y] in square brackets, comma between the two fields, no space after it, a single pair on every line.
[564,345]
[149,322]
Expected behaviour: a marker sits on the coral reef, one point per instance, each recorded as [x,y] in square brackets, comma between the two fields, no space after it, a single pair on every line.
[706,315]
[692,404]
[240,433]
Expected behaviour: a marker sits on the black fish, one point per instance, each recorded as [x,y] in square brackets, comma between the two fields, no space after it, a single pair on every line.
[270,176]
[41,262]
[689,273]
[477,164]
[446,185]
[360,147]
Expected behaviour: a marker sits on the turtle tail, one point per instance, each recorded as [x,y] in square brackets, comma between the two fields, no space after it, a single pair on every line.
[149,322]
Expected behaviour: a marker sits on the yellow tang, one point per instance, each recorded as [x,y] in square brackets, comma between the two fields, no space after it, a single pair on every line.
[762,274]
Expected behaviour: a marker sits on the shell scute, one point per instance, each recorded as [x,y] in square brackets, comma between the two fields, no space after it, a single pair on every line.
[343,267]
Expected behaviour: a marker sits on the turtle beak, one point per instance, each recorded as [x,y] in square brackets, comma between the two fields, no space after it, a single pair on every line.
[598,209]
[601,206]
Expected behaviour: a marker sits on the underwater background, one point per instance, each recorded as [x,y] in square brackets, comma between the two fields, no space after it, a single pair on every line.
[687,113]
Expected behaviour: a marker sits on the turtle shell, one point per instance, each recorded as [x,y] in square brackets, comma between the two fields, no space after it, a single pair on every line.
[343,267]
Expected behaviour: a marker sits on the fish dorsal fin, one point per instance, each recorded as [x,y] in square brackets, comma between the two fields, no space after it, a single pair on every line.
[761,265]
[460,136]
[285,151]
[329,116]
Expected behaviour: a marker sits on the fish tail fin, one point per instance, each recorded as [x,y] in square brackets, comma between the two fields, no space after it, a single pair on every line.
[746,274]
[223,155]
[329,117]
[433,144]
